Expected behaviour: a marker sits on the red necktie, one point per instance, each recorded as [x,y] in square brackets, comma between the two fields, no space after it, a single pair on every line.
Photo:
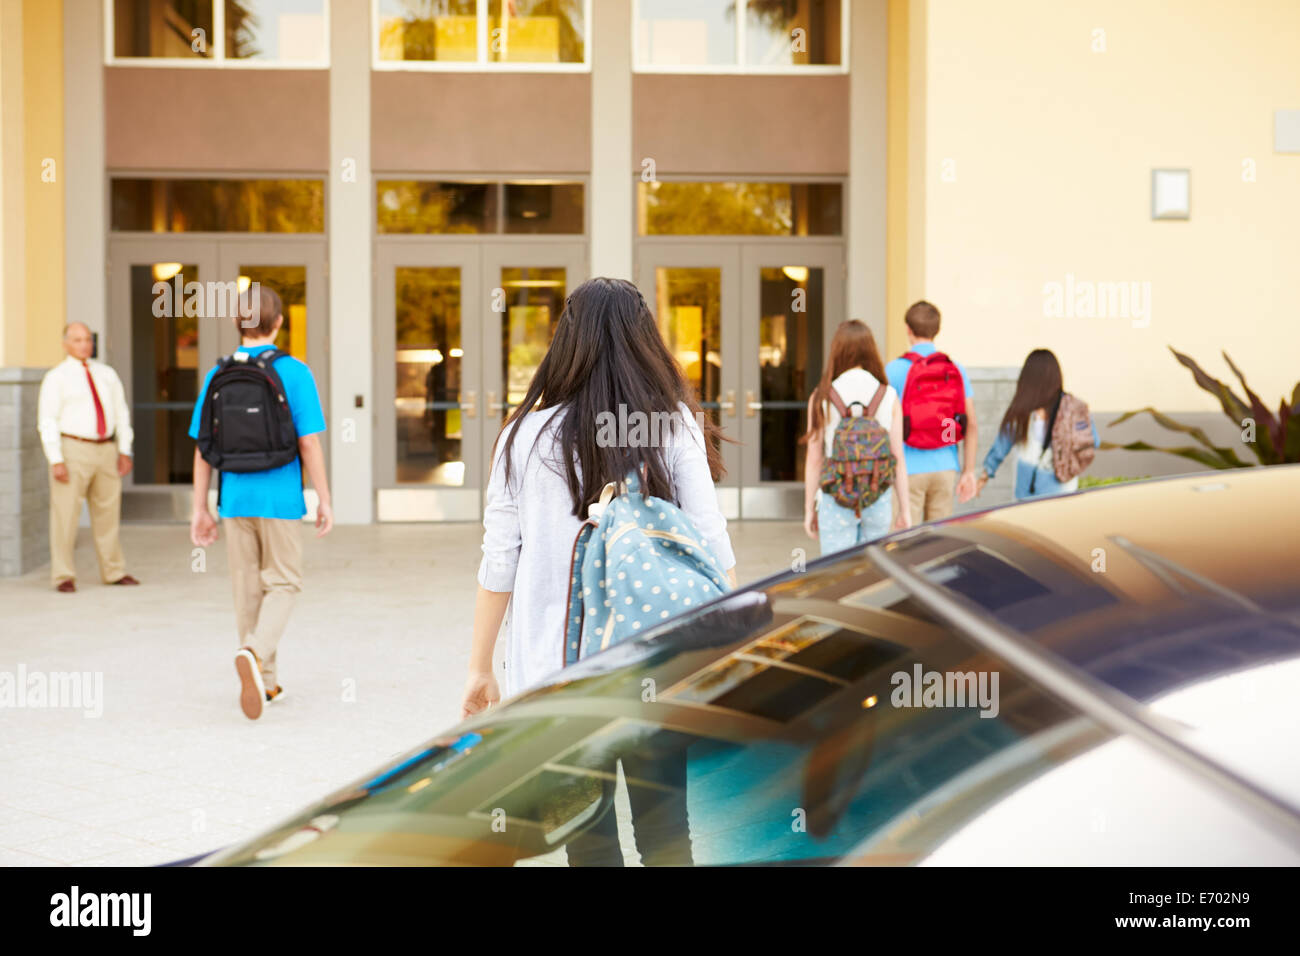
[101,427]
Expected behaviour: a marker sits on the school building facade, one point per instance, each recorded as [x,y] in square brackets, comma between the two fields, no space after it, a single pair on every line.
[423,181]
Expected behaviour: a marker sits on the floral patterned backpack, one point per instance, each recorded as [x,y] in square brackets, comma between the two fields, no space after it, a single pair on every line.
[860,467]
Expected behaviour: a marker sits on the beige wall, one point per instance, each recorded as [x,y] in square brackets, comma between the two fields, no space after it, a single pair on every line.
[13,240]
[1052,148]
[754,125]
[43,161]
[31,177]
[216,120]
[466,122]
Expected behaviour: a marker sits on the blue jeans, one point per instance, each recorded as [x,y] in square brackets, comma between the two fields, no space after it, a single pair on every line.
[839,528]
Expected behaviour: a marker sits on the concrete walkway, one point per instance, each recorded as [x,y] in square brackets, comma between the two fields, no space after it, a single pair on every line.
[372,664]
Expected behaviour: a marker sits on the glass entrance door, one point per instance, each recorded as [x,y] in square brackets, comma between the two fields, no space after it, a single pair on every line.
[172,308]
[159,341]
[694,290]
[460,331]
[791,301]
[296,272]
[750,324]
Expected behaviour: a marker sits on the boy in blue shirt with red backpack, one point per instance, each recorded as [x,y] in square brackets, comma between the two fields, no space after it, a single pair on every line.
[938,413]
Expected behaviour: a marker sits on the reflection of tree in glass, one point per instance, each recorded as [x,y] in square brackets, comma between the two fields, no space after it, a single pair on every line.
[428,308]
[241,31]
[415,30]
[719,209]
[243,205]
[407,206]
[567,12]
[771,13]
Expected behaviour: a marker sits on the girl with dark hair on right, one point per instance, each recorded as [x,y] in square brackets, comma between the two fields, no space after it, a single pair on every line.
[1038,411]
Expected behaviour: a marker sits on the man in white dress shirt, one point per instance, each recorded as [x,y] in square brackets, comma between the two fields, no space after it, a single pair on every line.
[86,433]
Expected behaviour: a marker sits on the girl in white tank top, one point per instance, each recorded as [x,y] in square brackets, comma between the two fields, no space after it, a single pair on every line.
[853,352]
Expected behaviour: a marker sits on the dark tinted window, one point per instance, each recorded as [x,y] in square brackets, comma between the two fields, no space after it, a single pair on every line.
[218,205]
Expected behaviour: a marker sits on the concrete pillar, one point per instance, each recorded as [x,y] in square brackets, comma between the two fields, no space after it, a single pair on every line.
[349,208]
[84,184]
[868,162]
[612,165]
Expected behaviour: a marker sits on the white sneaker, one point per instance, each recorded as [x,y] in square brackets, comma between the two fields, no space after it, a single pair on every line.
[252,692]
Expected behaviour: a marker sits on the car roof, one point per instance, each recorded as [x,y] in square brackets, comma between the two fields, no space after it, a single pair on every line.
[1148,591]
[1179,593]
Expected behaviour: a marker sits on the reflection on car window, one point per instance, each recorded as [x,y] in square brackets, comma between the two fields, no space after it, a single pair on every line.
[987,580]
[770,732]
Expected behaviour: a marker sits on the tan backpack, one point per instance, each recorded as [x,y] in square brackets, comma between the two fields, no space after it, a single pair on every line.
[1072,442]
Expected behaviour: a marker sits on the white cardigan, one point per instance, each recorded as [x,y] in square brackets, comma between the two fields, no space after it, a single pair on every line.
[529,530]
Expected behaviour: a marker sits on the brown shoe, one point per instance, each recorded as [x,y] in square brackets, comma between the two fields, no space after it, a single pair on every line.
[125,579]
[66,586]
[252,692]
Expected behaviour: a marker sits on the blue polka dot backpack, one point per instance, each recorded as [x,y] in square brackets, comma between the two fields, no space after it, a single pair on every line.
[638,561]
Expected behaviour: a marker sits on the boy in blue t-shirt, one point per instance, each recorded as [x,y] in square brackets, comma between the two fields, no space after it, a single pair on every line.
[932,473]
[262,510]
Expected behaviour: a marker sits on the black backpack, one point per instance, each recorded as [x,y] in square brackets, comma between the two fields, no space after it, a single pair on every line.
[246,424]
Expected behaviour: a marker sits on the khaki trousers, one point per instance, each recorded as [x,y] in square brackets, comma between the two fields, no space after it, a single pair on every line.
[266,571]
[93,478]
[931,495]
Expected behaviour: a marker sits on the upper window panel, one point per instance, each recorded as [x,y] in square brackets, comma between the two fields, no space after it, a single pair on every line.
[217,205]
[276,31]
[739,209]
[291,33]
[431,208]
[741,36]
[793,33]
[482,34]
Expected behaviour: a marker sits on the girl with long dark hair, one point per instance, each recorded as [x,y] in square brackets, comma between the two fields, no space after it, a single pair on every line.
[1024,429]
[607,363]
[856,372]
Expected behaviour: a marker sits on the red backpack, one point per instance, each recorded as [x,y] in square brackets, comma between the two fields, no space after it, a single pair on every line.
[934,402]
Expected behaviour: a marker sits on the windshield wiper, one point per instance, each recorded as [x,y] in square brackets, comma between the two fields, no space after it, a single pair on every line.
[1169,572]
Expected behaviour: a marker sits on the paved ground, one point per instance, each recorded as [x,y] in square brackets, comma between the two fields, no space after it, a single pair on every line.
[372,665]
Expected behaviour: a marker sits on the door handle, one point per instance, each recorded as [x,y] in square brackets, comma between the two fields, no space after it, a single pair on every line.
[751,406]
[492,404]
[728,406]
[467,406]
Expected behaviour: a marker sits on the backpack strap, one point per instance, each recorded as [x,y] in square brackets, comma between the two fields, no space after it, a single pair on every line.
[838,402]
[876,400]
[917,359]
[267,359]
[575,606]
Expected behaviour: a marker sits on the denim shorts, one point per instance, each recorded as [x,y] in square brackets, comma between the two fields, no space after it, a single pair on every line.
[839,528]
